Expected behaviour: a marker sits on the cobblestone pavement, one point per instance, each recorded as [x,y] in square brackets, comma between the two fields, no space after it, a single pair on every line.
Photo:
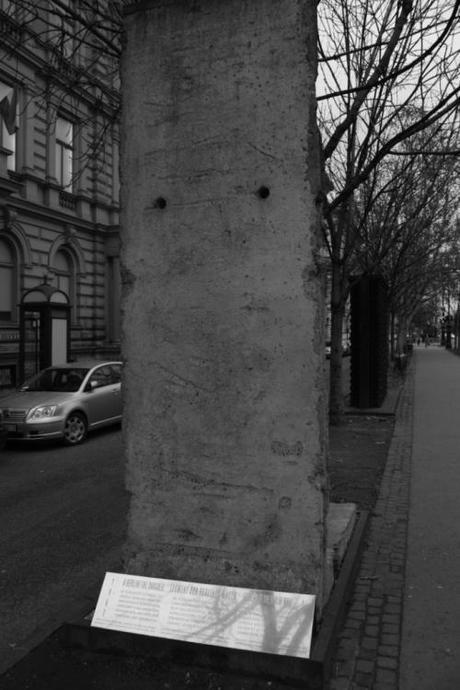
[368,645]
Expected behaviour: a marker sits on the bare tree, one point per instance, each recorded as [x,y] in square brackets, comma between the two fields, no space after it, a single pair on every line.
[388,71]
[406,223]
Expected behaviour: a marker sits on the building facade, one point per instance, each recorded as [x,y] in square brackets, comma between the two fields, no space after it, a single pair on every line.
[58,186]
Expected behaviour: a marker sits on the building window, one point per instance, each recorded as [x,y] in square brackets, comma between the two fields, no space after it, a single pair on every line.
[8,117]
[7,283]
[64,153]
[63,269]
[62,26]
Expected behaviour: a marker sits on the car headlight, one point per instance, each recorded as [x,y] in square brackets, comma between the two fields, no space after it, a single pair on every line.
[42,411]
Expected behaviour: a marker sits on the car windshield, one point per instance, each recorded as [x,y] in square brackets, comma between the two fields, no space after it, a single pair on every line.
[55,379]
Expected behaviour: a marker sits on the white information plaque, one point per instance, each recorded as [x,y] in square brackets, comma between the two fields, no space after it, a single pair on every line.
[251,619]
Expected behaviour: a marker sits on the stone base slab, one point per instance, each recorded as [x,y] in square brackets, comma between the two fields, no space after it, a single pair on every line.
[309,674]
[289,671]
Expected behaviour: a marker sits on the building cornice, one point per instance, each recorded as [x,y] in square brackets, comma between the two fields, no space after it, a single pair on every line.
[64,74]
[51,215]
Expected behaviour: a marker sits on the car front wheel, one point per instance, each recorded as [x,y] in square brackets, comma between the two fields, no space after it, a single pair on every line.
[75,429]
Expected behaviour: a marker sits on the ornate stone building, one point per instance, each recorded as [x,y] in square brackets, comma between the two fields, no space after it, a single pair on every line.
[58,186]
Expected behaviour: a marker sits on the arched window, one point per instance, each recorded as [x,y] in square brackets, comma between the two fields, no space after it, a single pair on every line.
[64,271]
[8,297]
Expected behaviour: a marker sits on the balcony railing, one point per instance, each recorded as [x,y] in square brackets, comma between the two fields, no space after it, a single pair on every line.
[67,200]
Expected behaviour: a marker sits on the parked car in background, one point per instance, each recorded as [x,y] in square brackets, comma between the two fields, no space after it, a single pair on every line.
[65,402]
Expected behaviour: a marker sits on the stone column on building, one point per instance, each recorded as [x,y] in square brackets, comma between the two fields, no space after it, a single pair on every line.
[224,424]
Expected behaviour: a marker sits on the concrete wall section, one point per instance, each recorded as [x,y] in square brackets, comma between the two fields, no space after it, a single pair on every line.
[222,308]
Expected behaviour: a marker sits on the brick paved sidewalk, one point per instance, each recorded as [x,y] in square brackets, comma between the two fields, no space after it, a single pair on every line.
[368,645]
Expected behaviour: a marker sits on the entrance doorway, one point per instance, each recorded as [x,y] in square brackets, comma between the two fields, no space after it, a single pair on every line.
[44,330]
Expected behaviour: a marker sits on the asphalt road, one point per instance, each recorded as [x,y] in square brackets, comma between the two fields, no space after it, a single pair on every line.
[62,524]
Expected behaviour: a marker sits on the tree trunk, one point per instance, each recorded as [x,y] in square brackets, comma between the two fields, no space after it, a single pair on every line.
[392,335]
[338,300]
[401,335]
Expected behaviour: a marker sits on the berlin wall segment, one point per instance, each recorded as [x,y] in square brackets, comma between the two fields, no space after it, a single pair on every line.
[225,426]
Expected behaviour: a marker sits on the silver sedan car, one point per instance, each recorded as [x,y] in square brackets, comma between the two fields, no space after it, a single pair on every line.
[65,402]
